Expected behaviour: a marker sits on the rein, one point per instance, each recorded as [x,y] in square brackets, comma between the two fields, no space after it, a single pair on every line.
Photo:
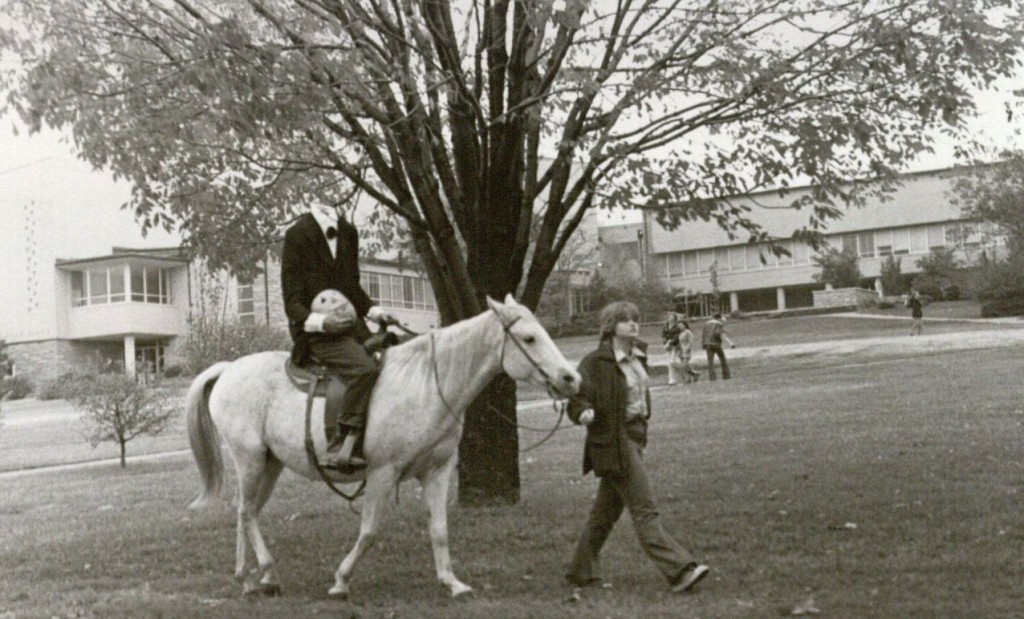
[560,408]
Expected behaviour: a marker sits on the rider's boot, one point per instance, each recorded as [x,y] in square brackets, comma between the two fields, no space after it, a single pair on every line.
[340,453]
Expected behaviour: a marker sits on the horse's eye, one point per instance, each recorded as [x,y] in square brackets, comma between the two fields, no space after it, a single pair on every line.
[529,339]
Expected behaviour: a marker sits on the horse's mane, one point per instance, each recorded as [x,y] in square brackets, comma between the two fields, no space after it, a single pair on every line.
[445,337]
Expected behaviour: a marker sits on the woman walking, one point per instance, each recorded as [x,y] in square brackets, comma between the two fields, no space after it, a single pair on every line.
[614,404]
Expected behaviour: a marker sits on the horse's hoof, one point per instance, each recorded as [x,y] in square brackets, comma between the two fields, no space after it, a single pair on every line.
[464,591]
[338,593]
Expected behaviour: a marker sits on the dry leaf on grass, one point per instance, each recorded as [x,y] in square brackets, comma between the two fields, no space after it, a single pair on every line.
[806,608]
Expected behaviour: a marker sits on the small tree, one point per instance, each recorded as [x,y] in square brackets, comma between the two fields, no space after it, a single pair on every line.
[838,268]
[119,409]
[938,270]
[892,276]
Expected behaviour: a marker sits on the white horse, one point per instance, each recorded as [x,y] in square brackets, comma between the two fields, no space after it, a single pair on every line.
[413,428]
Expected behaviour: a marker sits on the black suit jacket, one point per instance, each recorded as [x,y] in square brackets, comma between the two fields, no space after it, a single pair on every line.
[307,268]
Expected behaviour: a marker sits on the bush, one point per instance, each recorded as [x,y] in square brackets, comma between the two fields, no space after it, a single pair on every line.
[951,292]
[15,388]
[928,288]
[65,387]
[210,341]
[885,305]
[172,371]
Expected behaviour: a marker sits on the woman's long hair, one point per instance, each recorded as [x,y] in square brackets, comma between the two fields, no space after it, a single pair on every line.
[613,314]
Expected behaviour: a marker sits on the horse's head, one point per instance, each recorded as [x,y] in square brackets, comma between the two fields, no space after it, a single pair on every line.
[527,351]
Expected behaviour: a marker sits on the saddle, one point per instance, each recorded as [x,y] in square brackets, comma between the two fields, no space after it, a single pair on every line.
[318,380]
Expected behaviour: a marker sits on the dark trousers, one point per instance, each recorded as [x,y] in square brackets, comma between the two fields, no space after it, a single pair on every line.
[347,357]
[632,490]
[712,351]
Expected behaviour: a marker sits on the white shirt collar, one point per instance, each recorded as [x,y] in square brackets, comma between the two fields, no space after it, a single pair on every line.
[620,355]
[325,217]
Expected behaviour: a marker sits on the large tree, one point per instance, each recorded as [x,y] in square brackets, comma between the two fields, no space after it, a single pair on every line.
[462,119]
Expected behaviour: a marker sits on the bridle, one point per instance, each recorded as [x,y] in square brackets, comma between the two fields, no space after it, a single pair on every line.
[506,336]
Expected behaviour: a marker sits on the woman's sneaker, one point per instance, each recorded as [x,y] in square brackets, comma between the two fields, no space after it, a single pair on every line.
[689,578]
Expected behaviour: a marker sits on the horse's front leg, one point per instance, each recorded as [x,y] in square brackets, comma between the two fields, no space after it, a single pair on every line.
[435,494]
[379,484]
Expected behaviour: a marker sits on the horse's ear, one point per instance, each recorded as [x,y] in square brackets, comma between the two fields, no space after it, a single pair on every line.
[494,305]
[510,301]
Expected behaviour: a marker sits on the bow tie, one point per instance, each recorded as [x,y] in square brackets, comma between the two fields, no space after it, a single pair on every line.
[332,233]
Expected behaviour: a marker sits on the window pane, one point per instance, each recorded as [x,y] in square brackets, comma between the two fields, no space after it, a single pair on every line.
[754,257]
[407,295]
[78,289]
[784,259]
[165,285]
[918,239]
[866,243]
[98,286]
[152,285]
[737,258]
[901,241]
[138,289]
[722,259]
[936,236]
[116,284]
[690,262]
[801,253]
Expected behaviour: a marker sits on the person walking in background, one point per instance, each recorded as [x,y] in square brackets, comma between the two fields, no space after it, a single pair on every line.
[916,312]
[614,404]
[670,342]
[713,338]
[686,351]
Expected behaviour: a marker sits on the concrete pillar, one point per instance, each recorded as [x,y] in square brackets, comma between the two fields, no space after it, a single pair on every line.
[878,287]
[129,355]
[780,297]
[734,301]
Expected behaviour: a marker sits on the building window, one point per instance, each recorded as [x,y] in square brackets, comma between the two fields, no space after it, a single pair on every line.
[150,284]
[737,258]
[690,266]
[97,286]
[246,304]
[883,242]
[918,240]
[901,241]
[866,245]
[579,301]
[754,257]
[398,291]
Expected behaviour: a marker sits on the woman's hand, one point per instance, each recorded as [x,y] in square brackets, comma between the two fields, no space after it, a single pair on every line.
[587,417]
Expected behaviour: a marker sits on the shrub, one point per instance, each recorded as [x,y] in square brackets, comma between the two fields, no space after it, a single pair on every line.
[15,388]
[64,387]
[172,371]
[885,305]
[928,288]
[210,341]
[951,292]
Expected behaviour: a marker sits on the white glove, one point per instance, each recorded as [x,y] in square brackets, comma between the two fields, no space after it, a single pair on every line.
[587,417]
[382,316]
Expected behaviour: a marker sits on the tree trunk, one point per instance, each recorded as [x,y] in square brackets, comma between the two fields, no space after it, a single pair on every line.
[489,450]
[122,454]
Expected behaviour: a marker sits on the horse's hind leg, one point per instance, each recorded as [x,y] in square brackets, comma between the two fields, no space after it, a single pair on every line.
[257,474]
[435,494]
[379,484]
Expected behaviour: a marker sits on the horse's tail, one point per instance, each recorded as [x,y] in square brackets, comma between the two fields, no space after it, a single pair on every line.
[202,434]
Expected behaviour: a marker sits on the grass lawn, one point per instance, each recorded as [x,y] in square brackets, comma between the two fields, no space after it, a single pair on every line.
[878,487]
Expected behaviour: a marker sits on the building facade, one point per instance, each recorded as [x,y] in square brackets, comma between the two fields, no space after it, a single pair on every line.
[699,257]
